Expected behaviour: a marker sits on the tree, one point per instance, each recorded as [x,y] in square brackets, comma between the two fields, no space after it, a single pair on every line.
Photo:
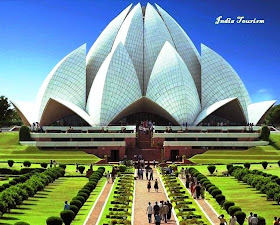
[211,168]
[265,133]
[8,116]
[273,117]
[5,110]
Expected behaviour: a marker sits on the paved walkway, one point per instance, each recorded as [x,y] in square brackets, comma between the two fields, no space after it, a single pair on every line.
[142,197]
[209,212]
[99,205]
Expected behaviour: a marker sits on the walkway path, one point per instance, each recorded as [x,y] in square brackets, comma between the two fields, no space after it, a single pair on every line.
[99,205]
[209,212]
[142,197]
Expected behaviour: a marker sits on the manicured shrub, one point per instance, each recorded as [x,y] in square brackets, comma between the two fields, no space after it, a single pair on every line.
[81,169]
[229,166]
[247,165]
[54,221]
[13,182]
[80,198]
[63,166]
[44,165]
[209,186]
[220,198]
[278,163]
[261,220]
[216,192]
[67,216]
[74,208]
[265,133]
[83,194]
[27,163]
[240,216]
[24,133]
[122,168]
[228,204]
[211,169]
[10,163]
[212,188]
[85,190]
[277,180]
[264,164]
[77,203]
[233,209]
[6,185]
[21,223]
[2,188]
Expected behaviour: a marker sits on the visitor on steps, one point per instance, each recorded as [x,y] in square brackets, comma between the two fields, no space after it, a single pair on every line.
[149,186]
[149,212]
[151,174]
[147,173]
[156,185]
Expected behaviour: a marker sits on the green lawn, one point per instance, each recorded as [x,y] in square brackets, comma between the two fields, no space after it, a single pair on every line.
[275,140]
[11,149]
[255,154]
[248,198]
[84,211]
[46,203]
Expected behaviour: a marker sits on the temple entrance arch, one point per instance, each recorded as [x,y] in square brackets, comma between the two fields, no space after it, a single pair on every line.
[144,109]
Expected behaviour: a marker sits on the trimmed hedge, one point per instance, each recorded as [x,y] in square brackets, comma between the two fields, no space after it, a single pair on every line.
[24,133]
[81,197]
[16,194]
[211,169]
[54,221]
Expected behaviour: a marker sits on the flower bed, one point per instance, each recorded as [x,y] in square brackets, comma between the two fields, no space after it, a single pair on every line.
[119,207]
[184,209]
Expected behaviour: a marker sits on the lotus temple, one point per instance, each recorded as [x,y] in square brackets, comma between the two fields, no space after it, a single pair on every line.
[144,66]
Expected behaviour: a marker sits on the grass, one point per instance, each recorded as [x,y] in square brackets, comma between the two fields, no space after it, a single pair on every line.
[248,198]
[275,140]
[84,211]
[254,155]
[46,203]
[11,149]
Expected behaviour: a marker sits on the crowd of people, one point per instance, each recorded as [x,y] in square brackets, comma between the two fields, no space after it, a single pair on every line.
[252,220]
[161,212]
[146,126]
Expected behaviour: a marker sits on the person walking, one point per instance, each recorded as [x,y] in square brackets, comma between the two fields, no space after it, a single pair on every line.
[197,190]
[275,222]
[170,210]
[202,192]
[157,219]
[254,219]
[156,185]
[187,181]
[232,220]
[193,189]
[222,220]
[108,176]
[149,186]
[156,209]
[147,173]
[66,206]
[249,218]
[165,211]
[151,174]
[149,212]
[182,172]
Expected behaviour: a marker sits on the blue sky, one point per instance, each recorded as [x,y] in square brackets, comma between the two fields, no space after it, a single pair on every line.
[35,35]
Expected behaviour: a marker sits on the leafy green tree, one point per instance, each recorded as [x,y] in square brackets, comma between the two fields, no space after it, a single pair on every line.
[8,116]
[273,117]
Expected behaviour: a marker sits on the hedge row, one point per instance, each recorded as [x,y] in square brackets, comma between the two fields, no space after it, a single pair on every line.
[265,183]
[19,172]
[184,209]
[67,216]
[16,194]
[229,206]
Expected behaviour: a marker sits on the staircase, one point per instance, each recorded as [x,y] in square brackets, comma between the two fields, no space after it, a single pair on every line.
[144,147]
